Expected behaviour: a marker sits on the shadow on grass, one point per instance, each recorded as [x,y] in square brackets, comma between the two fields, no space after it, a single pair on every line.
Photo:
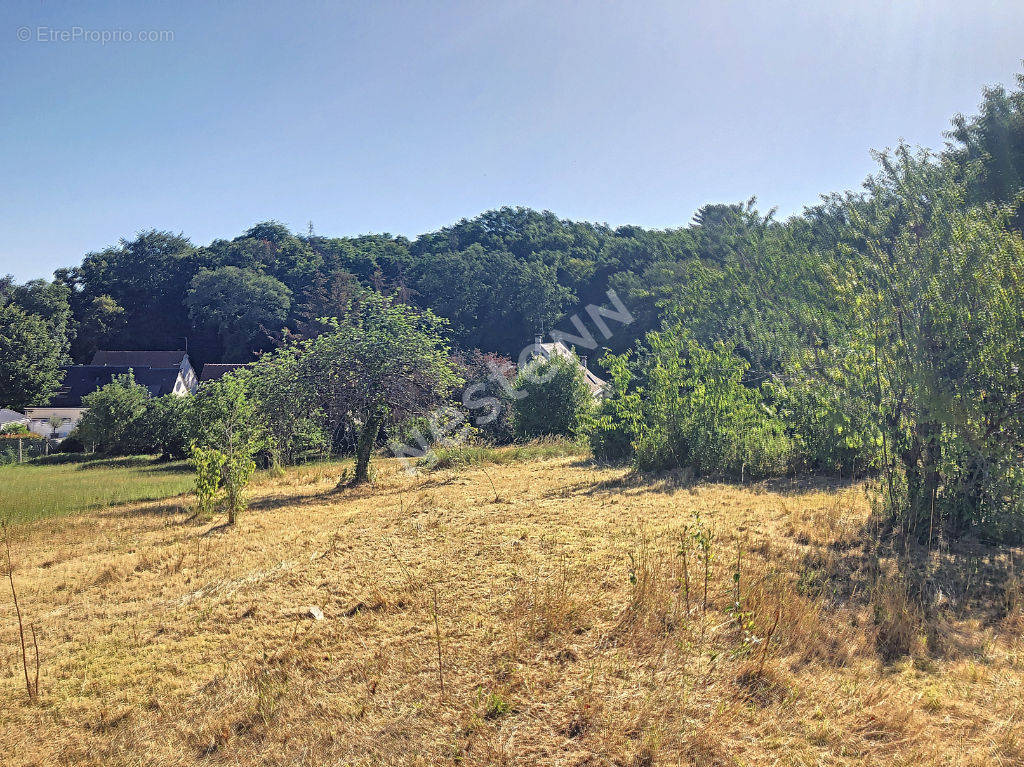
[58,459]
[959,579]
[162,505]
[275,502]
[928,597]
[633,481]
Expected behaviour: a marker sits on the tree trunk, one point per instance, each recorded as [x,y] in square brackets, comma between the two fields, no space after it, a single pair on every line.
[367,439]
[921,463]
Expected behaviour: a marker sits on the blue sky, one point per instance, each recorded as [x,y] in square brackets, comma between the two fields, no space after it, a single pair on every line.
[406,116]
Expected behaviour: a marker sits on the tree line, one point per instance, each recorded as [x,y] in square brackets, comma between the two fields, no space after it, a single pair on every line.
[878,332]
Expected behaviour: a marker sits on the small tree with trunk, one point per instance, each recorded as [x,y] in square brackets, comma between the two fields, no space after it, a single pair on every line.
[54,422]
[382,363]
[228,434]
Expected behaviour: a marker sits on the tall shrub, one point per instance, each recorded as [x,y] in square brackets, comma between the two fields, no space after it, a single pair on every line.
[226,423]
[682,404]
[113,421]
[554,400]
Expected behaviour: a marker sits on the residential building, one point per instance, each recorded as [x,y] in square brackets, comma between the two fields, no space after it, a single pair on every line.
[213,371]
[160,372]
[598,386]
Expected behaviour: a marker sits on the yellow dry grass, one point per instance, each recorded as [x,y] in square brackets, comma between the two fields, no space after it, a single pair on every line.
[571,630]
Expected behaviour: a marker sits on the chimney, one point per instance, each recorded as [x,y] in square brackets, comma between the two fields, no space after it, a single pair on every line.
[537,340]
[583,361]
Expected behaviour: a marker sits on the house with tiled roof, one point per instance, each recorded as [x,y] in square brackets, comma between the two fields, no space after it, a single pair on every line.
[213,371]
[159,360]
[160,372]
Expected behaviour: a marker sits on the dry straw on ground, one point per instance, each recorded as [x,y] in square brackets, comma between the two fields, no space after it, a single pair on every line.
[567,620]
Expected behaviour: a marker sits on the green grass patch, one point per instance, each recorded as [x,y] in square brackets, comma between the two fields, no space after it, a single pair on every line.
[65,484]
[472,455]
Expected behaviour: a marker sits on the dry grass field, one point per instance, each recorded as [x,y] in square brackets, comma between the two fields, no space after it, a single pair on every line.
[581,617]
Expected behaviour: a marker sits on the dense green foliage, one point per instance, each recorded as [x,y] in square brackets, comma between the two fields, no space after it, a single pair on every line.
[879,332]
[243,306]
[552,400]
[114,419]
[681,404]
[380,363]
[937,308]
[34,325]
[123,418]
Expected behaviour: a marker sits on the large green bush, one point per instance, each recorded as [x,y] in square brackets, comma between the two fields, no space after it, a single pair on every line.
[682,404]
[825,400]
[554,400]
[123,418]
[114,420]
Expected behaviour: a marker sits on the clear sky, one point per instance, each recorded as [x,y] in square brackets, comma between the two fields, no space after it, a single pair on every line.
[376,116]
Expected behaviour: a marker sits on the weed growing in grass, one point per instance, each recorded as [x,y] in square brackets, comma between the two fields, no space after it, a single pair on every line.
[898,618]
[558,604]
[437,638]
[496,706]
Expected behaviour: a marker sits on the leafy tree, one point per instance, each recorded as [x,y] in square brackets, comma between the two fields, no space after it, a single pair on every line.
[287,409]
[47,300]
[145,277]
[988,148]
[267,248]
[114,416]
[938,295]
[553,399]
[100,318]
[226,421]
[487,396]
[167,426]
[31,355]
[382,363]
[243,306]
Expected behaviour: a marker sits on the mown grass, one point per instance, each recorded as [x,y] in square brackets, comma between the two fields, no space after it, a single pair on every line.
[65,484]
[544,613]
[475,455]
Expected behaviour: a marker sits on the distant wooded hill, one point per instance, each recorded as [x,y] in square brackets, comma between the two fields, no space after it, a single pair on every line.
[498,278]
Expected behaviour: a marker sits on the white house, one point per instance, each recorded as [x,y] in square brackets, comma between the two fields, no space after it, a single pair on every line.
[598,386]
[160,372]
[187,381]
